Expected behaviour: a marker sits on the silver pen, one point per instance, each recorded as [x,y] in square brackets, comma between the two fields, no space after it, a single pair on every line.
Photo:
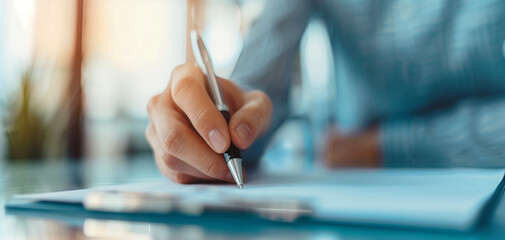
[232,155]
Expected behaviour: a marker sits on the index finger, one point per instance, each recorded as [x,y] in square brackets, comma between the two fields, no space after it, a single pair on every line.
[190,95]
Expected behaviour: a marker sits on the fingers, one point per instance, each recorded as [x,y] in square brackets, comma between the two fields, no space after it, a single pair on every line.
[160,155]
[189,93]
[175,176]
[188,133]
[171,166]
[181,142]
[251,120]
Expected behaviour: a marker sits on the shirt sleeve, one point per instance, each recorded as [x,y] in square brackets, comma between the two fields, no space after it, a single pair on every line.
[472,134]
[267,60]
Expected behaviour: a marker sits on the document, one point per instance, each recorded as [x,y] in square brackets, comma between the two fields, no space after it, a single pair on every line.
[427,198]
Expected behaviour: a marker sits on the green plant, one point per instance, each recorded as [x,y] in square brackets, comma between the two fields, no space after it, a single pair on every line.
[30,136]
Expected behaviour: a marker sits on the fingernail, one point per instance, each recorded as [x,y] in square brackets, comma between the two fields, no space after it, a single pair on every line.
[244,132]
[217,140]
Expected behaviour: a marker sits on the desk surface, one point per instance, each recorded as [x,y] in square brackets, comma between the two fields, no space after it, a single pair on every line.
[63,175]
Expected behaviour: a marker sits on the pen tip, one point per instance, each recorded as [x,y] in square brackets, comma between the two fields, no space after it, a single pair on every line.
[241,186]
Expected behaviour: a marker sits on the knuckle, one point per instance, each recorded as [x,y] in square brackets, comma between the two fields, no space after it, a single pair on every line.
[265,99]
[170,161]
[259,95]
[178,69]
[201,117]
[171,139]
[212,169]
[163,156]
[152,103]
[265,103]
[184,68]
[182,87]
[164,170]
[184,78]
[257,117]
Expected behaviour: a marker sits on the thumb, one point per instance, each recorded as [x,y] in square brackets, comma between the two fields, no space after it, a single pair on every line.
[251,120]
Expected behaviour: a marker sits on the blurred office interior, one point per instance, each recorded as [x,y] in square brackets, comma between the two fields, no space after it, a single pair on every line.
[75,76]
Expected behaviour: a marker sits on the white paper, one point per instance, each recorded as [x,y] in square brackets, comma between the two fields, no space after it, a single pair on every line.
[434,198]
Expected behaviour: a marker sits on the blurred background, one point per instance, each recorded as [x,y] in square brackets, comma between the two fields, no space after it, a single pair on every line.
[76,75]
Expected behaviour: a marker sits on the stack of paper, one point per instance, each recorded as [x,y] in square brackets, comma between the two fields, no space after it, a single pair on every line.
[443,198]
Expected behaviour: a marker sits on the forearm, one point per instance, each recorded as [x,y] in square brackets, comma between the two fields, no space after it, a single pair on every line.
[472,134]
[267,61]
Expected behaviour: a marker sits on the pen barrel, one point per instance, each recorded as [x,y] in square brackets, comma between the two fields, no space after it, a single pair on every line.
[232,152]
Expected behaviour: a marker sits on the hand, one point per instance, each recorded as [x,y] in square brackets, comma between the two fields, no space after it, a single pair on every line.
[352,150]
[188,134]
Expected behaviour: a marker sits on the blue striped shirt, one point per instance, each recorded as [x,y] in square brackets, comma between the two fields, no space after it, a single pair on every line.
[430,73]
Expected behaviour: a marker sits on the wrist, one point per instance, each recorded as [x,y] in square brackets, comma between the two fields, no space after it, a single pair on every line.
[372,151]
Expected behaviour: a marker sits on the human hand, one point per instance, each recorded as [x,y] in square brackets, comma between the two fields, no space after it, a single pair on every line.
[352,150]
[188,134]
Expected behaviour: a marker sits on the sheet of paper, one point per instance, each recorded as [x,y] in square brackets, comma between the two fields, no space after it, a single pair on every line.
[434,198]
